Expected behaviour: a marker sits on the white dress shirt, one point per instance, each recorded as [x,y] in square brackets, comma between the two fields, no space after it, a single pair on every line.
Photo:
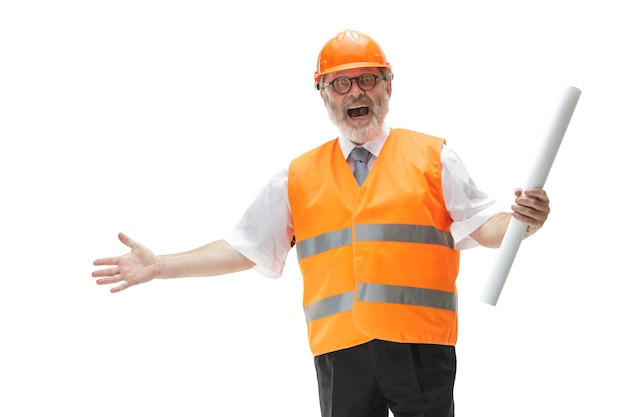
[264,233]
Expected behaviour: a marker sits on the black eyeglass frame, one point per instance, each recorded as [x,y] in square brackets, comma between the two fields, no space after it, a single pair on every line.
[321,86]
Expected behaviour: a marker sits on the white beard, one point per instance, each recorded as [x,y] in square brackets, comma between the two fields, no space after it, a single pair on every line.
[368,130]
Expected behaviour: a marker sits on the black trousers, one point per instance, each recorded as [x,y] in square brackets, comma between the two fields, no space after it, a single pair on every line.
[411,380]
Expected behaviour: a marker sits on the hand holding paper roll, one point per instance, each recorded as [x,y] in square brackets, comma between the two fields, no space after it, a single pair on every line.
[538,176]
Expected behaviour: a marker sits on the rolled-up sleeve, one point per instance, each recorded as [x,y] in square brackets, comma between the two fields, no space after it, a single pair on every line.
[265,230]
[468,206]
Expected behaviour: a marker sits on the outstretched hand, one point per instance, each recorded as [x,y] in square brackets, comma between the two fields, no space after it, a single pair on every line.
[532,207]
[138,266]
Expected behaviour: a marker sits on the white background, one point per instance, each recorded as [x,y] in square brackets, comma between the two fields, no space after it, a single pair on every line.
[137,116]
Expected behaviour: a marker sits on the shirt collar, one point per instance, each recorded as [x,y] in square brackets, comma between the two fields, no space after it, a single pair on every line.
[374,145]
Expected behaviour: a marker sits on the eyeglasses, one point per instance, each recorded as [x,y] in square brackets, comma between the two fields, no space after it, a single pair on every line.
[342,85]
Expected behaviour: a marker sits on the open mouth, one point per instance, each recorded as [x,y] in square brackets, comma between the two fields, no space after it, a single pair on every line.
[358,111]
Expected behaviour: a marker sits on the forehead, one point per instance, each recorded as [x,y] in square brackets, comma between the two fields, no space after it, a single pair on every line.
[354,72]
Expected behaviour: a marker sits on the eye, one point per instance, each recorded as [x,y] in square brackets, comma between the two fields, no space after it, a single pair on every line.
[342,83]
[367,80]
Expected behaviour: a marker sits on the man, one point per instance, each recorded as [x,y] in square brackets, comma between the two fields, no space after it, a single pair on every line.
[378,251]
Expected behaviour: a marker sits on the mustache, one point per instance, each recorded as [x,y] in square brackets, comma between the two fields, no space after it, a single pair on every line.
[358,101]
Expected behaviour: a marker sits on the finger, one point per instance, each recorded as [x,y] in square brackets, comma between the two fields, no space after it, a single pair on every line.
[531,223]
[522,212]
[120,287]
[127,241]
[530,215]
[526,205]
[111,279]
[107,261]
[537,193]
[105,272]
[538,201]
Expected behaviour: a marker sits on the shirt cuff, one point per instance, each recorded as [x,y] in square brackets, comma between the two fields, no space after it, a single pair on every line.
[461,230]
[263,264]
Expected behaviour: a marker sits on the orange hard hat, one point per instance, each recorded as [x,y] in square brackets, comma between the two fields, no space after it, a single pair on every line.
[349,49]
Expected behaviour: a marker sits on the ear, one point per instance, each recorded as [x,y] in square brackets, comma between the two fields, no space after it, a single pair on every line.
[323,96]
[389,87]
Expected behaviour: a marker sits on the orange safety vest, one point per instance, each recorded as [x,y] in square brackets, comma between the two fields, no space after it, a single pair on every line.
[378,261]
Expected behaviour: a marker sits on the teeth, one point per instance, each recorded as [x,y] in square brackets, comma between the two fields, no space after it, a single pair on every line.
[358,111]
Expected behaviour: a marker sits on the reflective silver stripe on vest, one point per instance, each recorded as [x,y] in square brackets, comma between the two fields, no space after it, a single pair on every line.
[323,242]
[374,232]
[329,306]
[397,294]
[403,233]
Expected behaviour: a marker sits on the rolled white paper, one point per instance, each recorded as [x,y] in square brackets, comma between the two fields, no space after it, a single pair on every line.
[537,179]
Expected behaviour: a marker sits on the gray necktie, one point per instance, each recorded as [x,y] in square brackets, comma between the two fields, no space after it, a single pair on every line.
[360,157]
